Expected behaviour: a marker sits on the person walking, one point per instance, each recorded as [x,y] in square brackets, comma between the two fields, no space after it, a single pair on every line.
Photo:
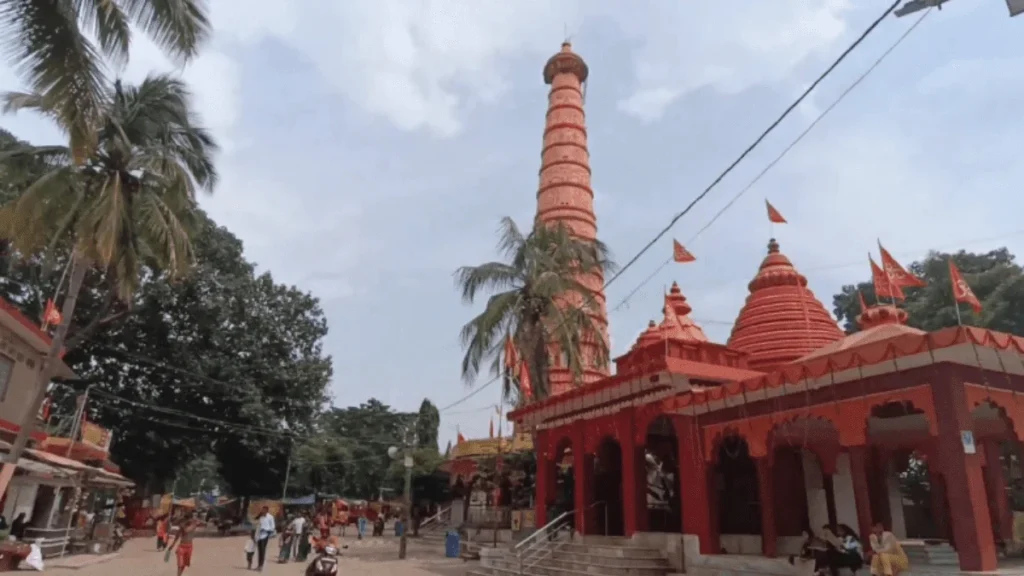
[267,529]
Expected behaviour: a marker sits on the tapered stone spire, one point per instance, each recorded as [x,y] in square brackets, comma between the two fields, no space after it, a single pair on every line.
[564,195]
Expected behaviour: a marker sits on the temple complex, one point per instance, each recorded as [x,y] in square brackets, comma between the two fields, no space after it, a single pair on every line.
[789,426]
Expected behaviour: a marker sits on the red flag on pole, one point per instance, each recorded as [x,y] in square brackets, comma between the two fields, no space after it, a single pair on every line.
[459,438]
[884,288]
[774,216]
[962,292]
[681,254]
[897,274]
[525,386]
[511,355]
[51,316]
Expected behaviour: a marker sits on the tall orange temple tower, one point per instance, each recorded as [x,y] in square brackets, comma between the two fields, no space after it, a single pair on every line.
[564,195]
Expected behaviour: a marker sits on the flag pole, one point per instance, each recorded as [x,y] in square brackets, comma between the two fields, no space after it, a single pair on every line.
[956,306]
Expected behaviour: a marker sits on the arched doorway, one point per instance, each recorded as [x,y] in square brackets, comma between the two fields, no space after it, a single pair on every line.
[608,489]
[663,501]
[739,503]
[563,499]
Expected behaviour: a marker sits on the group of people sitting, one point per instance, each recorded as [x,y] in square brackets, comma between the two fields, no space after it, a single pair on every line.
[833,551]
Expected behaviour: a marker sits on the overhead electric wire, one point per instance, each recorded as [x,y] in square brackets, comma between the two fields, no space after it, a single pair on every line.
[803,96]
[821,116]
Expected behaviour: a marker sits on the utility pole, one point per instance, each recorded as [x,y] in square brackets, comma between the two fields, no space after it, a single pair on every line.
[407,461]
[287,475]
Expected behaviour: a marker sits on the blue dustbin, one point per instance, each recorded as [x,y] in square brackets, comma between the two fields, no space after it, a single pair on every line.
[452,544]
[399,527]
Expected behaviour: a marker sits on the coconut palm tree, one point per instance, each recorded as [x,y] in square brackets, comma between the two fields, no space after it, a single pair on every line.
[51,44]
[131,202]
[536,298]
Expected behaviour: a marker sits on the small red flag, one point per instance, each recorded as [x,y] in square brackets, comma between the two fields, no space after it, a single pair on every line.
[681,254]
[774,216]
[459,438]
[898,275]
[525,386]
[962,292]
[51,316]
[884,288]
[860,298]
[511,355]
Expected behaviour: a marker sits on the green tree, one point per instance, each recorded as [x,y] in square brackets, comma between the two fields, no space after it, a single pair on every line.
[130,200]
[995,277]
[537,298]
[428,423]
[50,43]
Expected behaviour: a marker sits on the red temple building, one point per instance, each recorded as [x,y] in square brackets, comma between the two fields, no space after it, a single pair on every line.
[790,425]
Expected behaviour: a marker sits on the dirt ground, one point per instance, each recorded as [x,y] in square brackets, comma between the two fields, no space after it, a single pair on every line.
[225,556]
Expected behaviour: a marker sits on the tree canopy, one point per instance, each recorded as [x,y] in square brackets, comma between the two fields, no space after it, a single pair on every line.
[994,276]
[538,297]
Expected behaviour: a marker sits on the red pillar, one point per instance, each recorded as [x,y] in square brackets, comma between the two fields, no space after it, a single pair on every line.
[766,495]
[634,476]
[543,483]
[965,485]
[583,474]
[995,482]
[861,492]
[693,485]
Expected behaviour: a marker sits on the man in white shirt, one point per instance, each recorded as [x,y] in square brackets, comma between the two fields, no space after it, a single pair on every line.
[296,529]
[267,530]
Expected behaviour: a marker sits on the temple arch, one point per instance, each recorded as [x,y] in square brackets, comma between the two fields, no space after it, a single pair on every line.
[606,511]
[739,503]
[661,455]
[804,451]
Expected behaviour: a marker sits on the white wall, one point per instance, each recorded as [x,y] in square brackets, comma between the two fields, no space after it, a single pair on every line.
[892,484]
[842,490]
[21,497]
[817,503]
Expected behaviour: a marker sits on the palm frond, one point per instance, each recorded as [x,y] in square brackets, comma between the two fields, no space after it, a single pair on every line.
[482,335]
[50,51]
[180,27]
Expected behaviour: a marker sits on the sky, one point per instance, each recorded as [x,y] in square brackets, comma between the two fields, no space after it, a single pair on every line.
[370,148]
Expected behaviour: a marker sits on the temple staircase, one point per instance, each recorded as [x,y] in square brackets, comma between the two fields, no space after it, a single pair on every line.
[923,554]
[434,529]
[554,550]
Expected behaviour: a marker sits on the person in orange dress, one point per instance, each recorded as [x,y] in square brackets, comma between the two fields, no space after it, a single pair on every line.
[161,533]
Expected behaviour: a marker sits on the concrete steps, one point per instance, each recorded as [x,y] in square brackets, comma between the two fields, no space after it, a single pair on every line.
[931,555]
[573,558]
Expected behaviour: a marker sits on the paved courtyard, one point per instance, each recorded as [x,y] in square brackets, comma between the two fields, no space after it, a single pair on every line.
[225,556]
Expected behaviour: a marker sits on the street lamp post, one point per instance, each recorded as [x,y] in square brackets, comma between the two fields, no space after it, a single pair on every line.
[407,461]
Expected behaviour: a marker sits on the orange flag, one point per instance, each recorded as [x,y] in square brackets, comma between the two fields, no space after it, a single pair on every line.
[884,288]
[51,316]
[511,355]
[459,438]
[525,386]
[860,298]
[962,292]
[681,254]
[774,216]
[898,275]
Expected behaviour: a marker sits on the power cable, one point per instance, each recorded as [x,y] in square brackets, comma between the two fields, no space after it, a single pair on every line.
[782,155]
[757,141]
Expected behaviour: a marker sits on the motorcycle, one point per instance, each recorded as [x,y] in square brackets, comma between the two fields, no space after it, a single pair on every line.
[325,563]
[118,538]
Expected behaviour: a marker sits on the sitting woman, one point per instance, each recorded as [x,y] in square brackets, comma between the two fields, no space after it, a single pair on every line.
[887,555]
[815,549]
[851,550]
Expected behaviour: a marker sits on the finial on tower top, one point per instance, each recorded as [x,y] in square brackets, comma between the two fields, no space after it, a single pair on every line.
[773,246]
[565,61]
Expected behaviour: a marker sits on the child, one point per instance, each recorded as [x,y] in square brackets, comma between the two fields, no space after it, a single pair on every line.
[250,549]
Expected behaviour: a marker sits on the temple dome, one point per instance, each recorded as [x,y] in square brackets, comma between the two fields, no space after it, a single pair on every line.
[649,336]
[781,320]
[677,324]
